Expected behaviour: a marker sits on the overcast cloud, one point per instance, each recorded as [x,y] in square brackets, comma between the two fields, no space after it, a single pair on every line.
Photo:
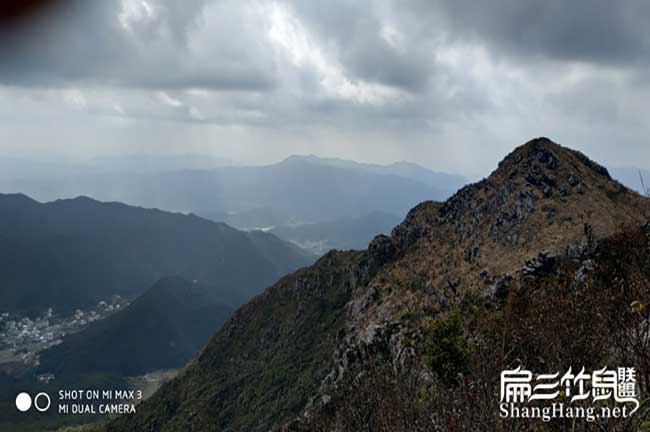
[451,84]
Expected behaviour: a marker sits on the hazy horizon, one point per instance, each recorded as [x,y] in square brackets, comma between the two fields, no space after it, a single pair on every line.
[94,161]
[379,81]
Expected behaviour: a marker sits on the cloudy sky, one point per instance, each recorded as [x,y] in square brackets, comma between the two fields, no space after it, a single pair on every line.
[451,84]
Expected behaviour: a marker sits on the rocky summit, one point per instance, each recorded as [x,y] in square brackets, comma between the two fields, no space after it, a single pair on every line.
[411,333]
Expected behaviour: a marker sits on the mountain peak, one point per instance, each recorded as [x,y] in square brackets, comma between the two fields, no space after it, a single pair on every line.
[17,198]
[352,308]
[171,285]
[542,161]
[539,198]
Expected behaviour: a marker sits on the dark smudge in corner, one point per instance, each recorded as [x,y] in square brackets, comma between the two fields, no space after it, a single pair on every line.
[18,13]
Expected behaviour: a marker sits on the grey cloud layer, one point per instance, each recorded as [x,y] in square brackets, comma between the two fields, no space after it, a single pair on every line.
[427,80]
[130,43]
[601,31]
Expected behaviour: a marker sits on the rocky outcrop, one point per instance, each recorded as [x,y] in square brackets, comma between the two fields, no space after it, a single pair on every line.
[381,250]
[544,264]
[415,226]
[331,320]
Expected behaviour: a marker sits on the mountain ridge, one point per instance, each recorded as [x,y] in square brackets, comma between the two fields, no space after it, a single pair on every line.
[349,233]
[293,191]
[161,329]
[410,170]
[540,201]
[87,250]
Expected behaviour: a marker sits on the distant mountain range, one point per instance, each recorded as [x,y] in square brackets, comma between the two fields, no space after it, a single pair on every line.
[541,265]
[448,183]
[300,189]
[73,253]
[161,329]
[341,234]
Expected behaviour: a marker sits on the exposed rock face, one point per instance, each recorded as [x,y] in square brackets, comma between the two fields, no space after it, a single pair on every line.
[542,265]
[381,250]
[542,198]
[416,224]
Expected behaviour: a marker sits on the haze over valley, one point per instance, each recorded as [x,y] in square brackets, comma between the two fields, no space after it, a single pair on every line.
[341,216]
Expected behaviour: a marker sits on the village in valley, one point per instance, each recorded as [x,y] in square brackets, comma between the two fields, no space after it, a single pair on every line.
[22,338]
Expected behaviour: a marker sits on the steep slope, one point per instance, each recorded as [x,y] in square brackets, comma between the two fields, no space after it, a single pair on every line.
[559,313]
[538,200]
[396,295]
[162,329]
[276,250]
[73,253]
[265,362]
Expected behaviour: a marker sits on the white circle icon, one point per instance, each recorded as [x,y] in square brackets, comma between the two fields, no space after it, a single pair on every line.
[23,402]
[40,407]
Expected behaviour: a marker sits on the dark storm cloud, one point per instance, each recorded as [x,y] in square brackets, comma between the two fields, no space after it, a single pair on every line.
[14,12]
[601,31]
[385,42]
[371,58]
[427,80]
[85,41]
[364,43]
[597,31]
[111,42]
[242,79]
[67,42]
